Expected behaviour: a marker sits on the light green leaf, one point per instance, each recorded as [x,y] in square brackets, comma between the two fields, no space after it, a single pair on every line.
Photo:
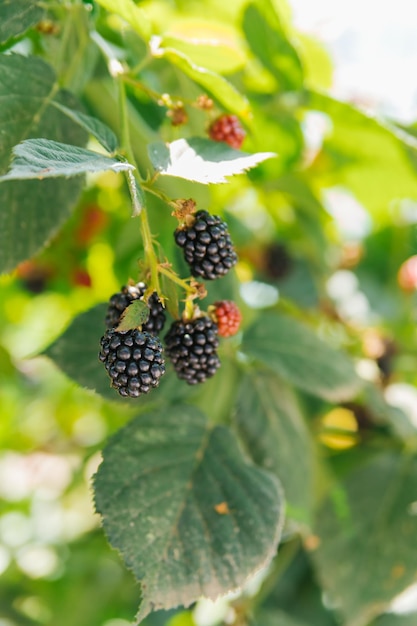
[217,86]
[296,354]
[44,158]
[93,126]
[272,427]
[131,13]
[136,314]
[32,212]
[208,44]
[367,156]
[268,41]
[202,160]
[367,537]
[16,16]
[183,507]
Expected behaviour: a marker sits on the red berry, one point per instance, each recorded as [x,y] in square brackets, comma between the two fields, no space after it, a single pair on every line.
[227,128]
[227,317]
[407,274]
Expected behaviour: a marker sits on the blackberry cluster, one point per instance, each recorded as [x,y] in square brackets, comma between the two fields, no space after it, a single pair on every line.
[121,300]
[133,359]
[192,347]
[207,246]
[227,128]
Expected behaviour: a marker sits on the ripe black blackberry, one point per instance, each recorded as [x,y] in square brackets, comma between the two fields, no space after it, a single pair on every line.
[121,300]
[191,346]
[207,246]
[133,360]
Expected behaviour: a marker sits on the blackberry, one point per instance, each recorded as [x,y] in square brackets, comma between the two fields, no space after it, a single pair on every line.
[119,301]
[192,346]
[278,262]
[227,128]
[227,316]
[207,246]
[133,360]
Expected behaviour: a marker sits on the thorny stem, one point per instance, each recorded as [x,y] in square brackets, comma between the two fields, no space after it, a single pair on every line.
[159,194]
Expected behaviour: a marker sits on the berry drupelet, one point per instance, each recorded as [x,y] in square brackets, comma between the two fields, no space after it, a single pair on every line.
[192,348]
[207,246]
[121,300]
[227,128]
[227,316]
[133,360]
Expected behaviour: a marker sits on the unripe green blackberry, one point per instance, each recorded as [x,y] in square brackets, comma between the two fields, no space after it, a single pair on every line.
[207,246]
[191,346]
[121,300]
[133,360]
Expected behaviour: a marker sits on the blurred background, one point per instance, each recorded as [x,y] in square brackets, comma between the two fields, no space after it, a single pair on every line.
[55,565]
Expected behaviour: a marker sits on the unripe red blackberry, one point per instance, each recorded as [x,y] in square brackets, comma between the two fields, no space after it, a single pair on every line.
[133,360]
[227,128]
[227,316]
[121,300]
[407,274]
[207,246]
[191,346]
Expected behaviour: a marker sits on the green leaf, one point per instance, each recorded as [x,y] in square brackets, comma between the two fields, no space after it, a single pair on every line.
[136,314]
[32,212]
[183,507]
[268,41]
[82,337]
[131,13]
[367,537]
[217,86]
[366,156]
[296,354]
[93,126]
[44,158]
[392,619]
[271,425]
[202,160]
[208,44]
[16,16]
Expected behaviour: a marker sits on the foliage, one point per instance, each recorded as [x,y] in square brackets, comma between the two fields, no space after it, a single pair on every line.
[305,439]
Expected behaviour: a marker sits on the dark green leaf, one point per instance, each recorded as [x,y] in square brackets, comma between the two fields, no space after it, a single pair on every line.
[93,126]
[82,337]
[136,314]
[272,427]
[296,354]
[202,160]
[44,158]
[32,212]
[216,85]
[367,537]
[16,16]
[186,511]
[268,41]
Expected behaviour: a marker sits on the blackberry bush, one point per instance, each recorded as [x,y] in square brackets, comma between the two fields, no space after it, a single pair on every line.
[227,128]
[207,246]
[121,300]
[192,348]
[133,360]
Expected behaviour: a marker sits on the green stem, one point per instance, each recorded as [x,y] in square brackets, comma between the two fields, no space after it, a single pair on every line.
[159,194]
[176,279]
[150,254]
